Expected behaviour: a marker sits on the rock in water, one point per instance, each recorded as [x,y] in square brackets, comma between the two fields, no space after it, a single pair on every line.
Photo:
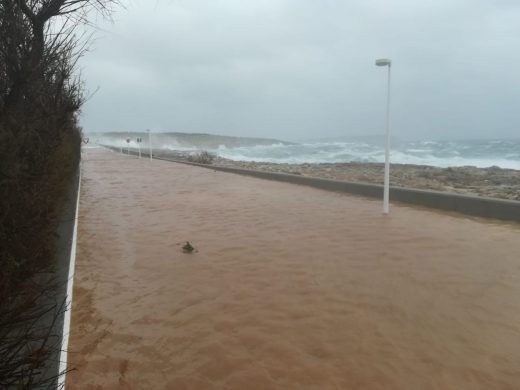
[187,248]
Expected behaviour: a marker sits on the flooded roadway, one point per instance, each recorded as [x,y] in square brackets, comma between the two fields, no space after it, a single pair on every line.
[290,287]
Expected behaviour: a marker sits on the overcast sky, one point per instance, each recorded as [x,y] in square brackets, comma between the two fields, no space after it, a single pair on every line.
[295,69]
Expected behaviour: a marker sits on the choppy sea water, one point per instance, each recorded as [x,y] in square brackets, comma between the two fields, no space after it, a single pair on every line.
[504,153]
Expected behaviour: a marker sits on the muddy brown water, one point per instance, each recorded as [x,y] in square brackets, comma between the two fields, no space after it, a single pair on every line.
[289,288]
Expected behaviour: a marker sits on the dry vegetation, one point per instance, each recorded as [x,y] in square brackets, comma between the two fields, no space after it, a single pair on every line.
[202,157]
[39,152]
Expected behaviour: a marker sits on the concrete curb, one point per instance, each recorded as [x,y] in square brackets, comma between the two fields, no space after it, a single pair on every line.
[476,206]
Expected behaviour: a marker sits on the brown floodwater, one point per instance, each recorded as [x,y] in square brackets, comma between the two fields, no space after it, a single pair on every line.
[290,287]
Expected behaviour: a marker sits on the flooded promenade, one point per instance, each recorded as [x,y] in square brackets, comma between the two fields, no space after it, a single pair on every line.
[289,287]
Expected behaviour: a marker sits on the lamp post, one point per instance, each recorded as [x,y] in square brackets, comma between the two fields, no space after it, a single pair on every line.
[386,194]
[149,142]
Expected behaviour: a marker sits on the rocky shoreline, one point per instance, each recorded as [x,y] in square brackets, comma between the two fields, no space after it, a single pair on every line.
[492,182]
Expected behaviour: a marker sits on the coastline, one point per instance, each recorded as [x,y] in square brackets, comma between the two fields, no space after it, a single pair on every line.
[492,182]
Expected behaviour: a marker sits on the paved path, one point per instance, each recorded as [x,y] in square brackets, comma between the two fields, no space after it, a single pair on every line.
[290,287]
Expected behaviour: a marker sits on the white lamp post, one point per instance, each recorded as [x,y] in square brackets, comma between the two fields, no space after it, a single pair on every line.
[386,195]
[149,142]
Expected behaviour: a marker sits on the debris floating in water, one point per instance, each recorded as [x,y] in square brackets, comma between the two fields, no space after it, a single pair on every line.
[187,248]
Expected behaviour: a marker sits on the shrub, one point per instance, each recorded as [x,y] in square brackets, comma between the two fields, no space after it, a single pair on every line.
[203,157]
[39,152]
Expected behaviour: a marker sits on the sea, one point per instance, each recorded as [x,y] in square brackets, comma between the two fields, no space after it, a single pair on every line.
[503,153]
[500,153]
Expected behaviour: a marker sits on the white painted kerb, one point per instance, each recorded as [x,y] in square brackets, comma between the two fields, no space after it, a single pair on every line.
[68,299]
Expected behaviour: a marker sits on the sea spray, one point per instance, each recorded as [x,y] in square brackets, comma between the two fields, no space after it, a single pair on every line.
[504,153]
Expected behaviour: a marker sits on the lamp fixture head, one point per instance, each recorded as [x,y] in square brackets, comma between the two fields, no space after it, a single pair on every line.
[384,62]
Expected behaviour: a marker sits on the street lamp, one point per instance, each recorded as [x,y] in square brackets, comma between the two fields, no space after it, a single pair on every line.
[149,142]
[386,195]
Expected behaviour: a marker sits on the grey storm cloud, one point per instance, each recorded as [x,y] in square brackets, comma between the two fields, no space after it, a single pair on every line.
[296,69]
